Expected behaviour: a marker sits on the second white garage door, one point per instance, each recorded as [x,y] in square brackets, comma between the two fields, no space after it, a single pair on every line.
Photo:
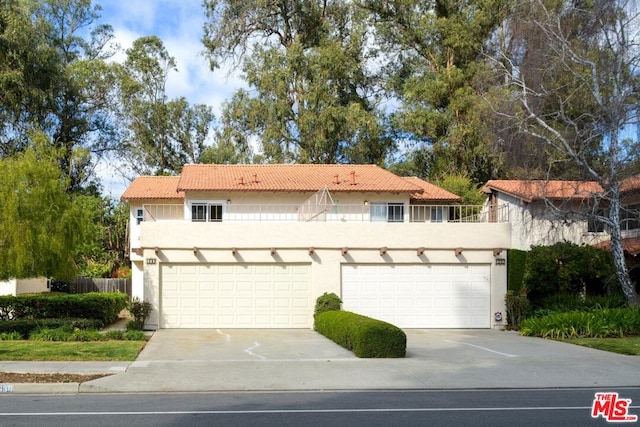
[420,296]
[235,296]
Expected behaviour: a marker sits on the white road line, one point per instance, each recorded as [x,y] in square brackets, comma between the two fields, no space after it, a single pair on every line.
[483,348]
[227,336]
[251,353]
[302,411]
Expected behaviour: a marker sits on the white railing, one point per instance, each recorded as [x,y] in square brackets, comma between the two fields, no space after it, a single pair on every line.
[342,213]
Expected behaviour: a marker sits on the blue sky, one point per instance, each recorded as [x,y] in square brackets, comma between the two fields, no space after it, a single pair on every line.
[178,23]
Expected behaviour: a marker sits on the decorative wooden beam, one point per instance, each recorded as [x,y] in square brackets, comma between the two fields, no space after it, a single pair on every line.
[420,251]
[458,251]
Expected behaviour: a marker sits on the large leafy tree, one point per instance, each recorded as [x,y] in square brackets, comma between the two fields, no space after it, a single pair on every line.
[163,134]
[434,64]
[40,224]
[54,79]
[572,85]
[311,98]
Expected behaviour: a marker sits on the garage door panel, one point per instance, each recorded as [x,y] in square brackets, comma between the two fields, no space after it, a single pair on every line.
[419,296]
[235,296]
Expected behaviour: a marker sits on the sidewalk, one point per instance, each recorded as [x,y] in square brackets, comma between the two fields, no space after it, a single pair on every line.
[208,361]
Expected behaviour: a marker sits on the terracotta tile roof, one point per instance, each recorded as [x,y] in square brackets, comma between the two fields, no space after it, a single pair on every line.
[630,184]
[530,190]
[431,192]
[153,187]
[292,177]
[630,245]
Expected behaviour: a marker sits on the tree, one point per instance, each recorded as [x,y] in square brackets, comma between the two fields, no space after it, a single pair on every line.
[103,250]
[163,134]
[57,81]
[40,225]
[312,98]
[433,61]
[581,98]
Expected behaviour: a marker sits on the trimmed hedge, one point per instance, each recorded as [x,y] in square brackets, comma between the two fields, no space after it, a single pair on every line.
[25,327]
[102,306]
[365,336]
[327,302]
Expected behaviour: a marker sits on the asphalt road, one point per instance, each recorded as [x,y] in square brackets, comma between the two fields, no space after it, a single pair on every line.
[523,407]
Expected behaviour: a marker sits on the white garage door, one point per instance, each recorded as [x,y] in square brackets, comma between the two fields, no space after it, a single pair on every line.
[419,296]
[235,296]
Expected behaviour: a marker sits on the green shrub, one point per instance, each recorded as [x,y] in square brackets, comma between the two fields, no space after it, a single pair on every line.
[564,303]
[10,336]
[26,326]
[517,307]
[365,336]
[86,335]
[327,302]
[134,336]
[140,310]
[132,326]
[103,306]
[569,269]
[602,323]
[51,334]
[515,269]
[114,334]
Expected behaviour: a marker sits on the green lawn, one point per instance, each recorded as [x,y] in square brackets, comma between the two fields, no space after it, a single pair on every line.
[627,345]
[86,351]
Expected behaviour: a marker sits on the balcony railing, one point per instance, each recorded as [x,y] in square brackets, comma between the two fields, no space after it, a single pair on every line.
[341,213]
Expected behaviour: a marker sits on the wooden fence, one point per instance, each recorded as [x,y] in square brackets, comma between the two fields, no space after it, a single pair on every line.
[86,284]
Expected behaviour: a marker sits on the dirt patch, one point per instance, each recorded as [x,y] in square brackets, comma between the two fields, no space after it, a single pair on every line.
[14,378]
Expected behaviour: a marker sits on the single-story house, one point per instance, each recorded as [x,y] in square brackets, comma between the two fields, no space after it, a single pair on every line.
[254,246]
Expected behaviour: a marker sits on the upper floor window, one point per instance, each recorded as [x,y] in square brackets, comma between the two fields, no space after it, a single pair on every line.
[387,212]
[206,212]
[436,213]
[139,216]
[630,217]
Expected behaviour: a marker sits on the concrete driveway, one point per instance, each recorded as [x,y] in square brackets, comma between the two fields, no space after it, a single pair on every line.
[222,360]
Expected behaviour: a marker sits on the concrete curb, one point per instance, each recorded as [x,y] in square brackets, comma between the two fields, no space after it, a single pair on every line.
[40,388]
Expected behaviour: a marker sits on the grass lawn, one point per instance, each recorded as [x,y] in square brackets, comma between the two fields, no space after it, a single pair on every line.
[56,350]
[627,345]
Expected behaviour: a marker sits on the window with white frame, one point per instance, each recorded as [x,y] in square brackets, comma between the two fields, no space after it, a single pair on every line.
[139,216]
[387,212]
[206,212]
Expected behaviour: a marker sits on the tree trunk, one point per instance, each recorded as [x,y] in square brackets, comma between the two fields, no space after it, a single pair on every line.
[617,250]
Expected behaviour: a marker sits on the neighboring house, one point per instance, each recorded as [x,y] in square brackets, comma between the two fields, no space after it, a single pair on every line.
[546,212]
[253,246]
[24,286]
[630,224]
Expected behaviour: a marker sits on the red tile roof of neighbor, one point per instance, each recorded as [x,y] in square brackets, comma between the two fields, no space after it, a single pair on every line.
[630,245]
[293,177]
[530,190]
[431,192]
[630,184]
[153,187]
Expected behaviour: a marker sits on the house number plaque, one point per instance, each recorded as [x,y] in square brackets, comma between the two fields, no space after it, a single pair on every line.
[151,261]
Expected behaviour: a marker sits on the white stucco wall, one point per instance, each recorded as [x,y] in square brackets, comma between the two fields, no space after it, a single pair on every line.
[24,286]
[8,287]
[536,224]
[214,242]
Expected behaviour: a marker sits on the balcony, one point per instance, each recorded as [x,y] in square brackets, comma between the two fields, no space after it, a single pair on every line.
[329,213]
